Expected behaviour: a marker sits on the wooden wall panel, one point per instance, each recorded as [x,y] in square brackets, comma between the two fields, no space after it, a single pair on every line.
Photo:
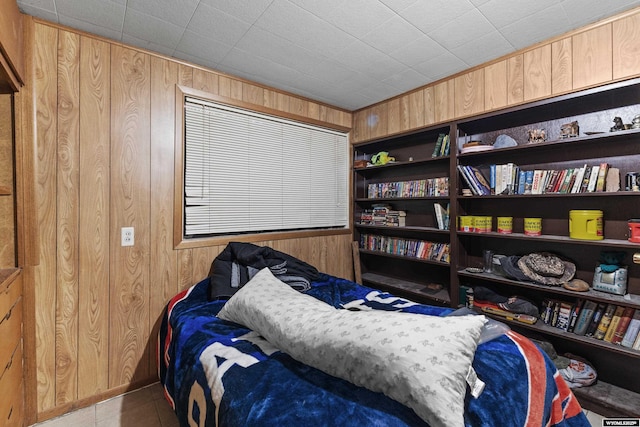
[393,116]
[429,106]
[7,217]
[163,274]
[626,47]
[561,66]
[68,181]
[46,91]
[416,109]
[93,262]
[515,79]
[469,93]
[592,57]
[537,73]
[204,80]
[495,85]
[130,185]
[443,101]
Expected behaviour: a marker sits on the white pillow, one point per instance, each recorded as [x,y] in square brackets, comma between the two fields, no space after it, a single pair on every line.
[420,361]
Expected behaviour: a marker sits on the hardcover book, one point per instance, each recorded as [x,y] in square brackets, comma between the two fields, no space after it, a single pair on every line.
[584,319]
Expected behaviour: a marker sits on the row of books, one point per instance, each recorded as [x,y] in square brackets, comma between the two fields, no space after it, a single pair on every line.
[442,216]
[607,322]
[508,178]
[443,146]
[407,189]
[383,215]
[422,249]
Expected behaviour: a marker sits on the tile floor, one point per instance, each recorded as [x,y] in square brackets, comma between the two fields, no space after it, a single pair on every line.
[145,408]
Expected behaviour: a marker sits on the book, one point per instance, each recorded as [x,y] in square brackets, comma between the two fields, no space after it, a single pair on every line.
[567,179]
[555,312]
[602,176]
[597,315]
[552,181]
[593,178]
[522,179]
[564,315]
[575,312]
[586,314]
[467,179]
[632,330]
[535,186]
[585,179]
[481,182]
[528,183]
[623,324]
[561,175]
[438,146]
[604,322]
[440,214]
[614,324]
[578,181]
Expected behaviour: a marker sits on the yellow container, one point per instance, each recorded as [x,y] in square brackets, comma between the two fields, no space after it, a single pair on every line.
[532,226]
[466,223]
[482,224]
[586,224]
[505,224]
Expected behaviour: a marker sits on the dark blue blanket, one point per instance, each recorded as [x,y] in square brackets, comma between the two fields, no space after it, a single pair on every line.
[218,373]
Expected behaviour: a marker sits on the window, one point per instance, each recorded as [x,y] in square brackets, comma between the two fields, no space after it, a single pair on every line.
[246,172]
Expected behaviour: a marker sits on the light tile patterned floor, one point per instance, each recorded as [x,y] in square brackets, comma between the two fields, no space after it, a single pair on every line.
[141,408]
[146,408]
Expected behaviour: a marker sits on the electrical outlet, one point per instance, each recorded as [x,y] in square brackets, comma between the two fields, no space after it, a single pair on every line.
[126,236]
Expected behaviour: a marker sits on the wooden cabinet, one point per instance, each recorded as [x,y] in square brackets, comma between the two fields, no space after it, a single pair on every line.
[11,50]
[11,383]
[594,110]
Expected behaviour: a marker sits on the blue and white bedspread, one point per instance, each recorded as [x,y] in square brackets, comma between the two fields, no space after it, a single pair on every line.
[216,373]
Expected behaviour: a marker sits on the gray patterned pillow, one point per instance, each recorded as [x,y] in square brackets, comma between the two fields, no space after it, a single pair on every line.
[420,361]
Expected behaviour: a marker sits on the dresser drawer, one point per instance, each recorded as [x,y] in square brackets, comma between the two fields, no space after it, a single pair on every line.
[11,388]
[11,332]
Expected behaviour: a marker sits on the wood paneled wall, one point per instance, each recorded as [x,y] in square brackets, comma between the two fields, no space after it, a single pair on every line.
[105,118]
[594,55]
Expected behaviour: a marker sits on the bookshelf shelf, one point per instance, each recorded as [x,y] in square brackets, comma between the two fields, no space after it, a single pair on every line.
[394,284]
[608,243]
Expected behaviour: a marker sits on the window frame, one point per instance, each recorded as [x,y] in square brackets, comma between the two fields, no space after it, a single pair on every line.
[179,240]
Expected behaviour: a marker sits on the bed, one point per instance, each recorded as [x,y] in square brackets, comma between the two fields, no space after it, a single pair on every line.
[320,358]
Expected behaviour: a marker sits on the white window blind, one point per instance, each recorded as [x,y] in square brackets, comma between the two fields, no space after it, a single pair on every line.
[246,172]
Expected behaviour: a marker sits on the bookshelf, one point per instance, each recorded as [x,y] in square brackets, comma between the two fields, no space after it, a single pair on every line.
[594,110]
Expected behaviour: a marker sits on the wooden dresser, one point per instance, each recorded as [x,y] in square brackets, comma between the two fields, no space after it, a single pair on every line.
[11,378]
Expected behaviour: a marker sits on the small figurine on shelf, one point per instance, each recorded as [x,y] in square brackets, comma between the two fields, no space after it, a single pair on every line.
[569,130]
[618,125]
[635,123]
[537,135]
[382,158]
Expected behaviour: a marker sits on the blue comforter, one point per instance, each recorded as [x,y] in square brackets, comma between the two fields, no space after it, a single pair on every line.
[261,386]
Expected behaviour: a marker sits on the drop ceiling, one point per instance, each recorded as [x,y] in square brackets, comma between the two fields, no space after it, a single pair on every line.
[347,53]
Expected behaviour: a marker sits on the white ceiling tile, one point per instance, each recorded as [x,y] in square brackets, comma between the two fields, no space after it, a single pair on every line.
[217,25]
[277,49]
[504,12]
[583,12]
[105,13]
[404,81]
[483,49]
[439,66]
[198,46]
[462,29]
[245,10]
[392,35]
[359,55]
[528,31]
[356,17]
[147,27]
[46,14]
[166,10]
[479,2]
[147,45]
[398,5]
[331,71]
[432,14]
[303,28]
[418,50]
[90,28]
[48,5]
